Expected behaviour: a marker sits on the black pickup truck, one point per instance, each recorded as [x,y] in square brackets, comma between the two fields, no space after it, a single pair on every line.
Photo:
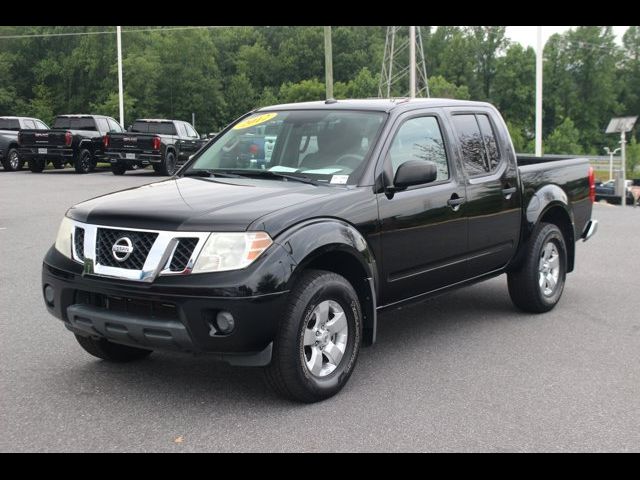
[165,144]
[9,148]
[362,206]
[74,139]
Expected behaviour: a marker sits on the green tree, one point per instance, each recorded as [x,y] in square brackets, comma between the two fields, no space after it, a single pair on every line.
[487,43]
[564,140]
[304,91]
[441,88]
[514,85]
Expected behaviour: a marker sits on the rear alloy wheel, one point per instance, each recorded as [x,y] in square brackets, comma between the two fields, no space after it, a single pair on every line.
[83,161]
[318,340]
[538,284]
[118,168]
[12,163]
[168,165]
[36,165]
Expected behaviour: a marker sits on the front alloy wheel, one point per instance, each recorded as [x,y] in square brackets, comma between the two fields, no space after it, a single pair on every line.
[318,339]
[325,338]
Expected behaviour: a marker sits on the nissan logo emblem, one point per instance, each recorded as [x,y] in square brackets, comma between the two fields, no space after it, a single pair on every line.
[122,249]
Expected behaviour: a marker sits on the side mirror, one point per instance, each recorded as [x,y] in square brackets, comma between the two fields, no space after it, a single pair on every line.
[414,172]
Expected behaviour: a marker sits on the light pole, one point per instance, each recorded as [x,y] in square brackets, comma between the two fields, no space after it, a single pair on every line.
[622,125]
[611,154]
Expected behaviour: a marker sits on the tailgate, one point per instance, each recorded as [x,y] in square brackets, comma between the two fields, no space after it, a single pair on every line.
[42,138]
[130,142]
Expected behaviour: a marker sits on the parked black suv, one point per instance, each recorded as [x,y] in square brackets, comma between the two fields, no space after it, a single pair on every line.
[74,139]
[362,206]
[9,128]
[165,144]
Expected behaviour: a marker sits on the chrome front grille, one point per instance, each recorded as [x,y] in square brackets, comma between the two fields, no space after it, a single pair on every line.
[182,254]
[78,241]
[150,252]
[141,242]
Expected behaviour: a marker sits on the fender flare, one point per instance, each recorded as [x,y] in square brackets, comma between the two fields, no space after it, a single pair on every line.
[311,239]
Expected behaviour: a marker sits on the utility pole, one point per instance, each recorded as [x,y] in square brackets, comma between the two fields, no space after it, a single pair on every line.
[403,57]
[539,94]
[611,154]
[412,62]
[623,153]
[120,92]
[328,63]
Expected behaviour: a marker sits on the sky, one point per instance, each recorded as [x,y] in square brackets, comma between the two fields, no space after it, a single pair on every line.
[527,35]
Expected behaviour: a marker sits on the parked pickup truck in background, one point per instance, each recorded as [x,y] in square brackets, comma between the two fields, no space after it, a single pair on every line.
[9,127]
[74,139]
[165,144]
[363,206]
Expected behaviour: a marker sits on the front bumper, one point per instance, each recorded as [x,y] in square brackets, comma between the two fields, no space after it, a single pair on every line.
[173,313]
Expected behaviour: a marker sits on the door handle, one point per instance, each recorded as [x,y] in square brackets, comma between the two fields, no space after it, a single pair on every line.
[507,192]
[455,201]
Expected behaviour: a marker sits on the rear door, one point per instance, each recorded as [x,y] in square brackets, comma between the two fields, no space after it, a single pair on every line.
[493,203]
[185,144]
[423,228]
[193,139]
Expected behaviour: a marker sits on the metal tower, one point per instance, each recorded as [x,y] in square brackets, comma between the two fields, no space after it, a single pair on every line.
[397,62]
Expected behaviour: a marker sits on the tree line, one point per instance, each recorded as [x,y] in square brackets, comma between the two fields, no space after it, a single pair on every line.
[220,73]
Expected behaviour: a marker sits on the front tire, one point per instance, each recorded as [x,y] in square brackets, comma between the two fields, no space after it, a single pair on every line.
[36,165]
[169,164]
[538,284]
[83,162]
[318,339]
[111,352]
[12,163]
[118,168]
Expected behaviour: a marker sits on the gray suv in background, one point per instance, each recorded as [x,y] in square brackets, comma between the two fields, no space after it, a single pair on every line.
[9,128]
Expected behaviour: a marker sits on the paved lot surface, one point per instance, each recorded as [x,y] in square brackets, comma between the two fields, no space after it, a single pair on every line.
[463,372]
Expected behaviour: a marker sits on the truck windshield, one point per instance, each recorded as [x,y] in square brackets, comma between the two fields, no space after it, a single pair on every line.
[328,146]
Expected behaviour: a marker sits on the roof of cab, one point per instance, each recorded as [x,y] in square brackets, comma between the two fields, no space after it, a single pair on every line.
[82,115]
[375,104]
[159,120]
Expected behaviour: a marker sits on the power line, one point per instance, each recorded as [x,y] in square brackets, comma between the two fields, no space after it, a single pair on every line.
[111,32]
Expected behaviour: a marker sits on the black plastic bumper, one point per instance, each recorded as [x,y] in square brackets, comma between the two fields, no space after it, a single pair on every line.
[163,315]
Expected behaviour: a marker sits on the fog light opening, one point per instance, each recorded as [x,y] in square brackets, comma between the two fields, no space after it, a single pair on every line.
[225,322]
[49,294]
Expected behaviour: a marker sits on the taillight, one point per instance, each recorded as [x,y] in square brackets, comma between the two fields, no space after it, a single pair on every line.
[105,141]
[19,138]
[592,184]
[68,138]
[155,145]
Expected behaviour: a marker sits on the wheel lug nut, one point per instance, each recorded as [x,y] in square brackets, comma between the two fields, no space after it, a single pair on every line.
[317,333]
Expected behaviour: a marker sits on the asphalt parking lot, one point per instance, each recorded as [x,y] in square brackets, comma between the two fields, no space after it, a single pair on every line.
[462,372]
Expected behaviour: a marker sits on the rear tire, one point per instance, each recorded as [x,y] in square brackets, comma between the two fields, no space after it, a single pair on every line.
[12,163]
[112,352]
[169,165]
[83,162]
[538,284]
[36,165]
[118,168]
[301,367]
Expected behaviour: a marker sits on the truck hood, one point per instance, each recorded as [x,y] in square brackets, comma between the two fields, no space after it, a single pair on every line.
[195,204]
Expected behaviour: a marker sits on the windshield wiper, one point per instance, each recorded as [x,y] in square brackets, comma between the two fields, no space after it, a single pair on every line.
[272,174]
[209,173]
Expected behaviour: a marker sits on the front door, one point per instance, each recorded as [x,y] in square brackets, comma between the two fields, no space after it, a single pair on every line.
[423,228]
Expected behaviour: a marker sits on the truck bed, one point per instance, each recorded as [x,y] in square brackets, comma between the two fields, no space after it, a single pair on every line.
[570,174]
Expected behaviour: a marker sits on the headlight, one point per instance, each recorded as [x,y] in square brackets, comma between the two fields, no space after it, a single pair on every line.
[231,251]
[63,241]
